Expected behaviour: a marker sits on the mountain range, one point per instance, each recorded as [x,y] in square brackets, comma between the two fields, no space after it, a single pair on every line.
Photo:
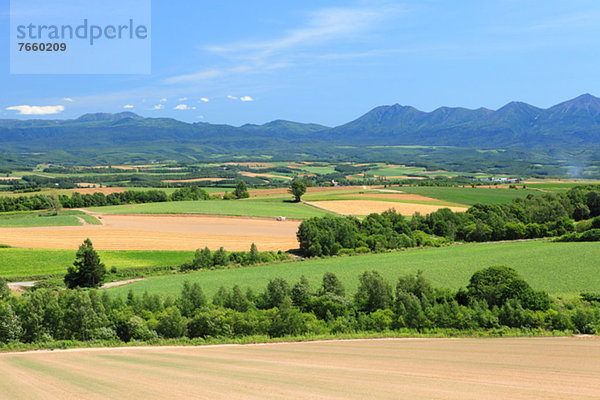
[574,124]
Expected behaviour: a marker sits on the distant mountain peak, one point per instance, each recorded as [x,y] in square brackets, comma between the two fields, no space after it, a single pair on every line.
[108,116]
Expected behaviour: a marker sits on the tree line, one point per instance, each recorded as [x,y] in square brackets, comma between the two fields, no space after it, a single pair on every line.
[546,215]
[77,200]
[496,297]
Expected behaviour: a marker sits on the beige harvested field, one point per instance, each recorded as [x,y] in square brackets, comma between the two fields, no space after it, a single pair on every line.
[365,207]
[161,232]
[404,177]
[196,180]
[444,369]
[88,185]
[9,178]
[392,196]
[251,164]
[310,190]
[259,175]
[103,190]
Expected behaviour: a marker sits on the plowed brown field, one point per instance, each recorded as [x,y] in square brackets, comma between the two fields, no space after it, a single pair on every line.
[365,207]
[443,369]
[159,232]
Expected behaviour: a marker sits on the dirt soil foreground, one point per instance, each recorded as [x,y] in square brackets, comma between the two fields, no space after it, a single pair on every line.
[161,232]
[482,369]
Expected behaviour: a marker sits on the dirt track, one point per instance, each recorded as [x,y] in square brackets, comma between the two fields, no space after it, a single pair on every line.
[365,207]
[444,369]
[159,232]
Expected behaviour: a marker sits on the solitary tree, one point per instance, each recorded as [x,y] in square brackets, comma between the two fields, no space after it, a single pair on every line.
[297,189]
[241,190]
[54,203]
[87,270]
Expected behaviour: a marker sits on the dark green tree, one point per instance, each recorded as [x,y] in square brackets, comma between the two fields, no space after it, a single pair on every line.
[301,294]
[297,189]
[373,293]
[496,285]
[241,190]
[202,259]
[192,298]
[87,270]
[332,285]
[254,255]
[4,289]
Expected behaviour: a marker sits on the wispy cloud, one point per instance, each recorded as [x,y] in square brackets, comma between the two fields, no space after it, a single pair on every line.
[230,97]
[163,100]
[204,100]
[158,107]
[182,98]
[321,26]
[128,106]
[577,21]
[69,99]
[37,110]
[246,98]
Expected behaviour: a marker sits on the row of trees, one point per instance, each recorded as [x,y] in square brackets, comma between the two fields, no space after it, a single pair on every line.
[89,272]
[495,297]
[546,215]
[77,200]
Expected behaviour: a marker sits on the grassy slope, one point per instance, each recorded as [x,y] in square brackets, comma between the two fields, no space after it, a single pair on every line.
[545,265]
[19,221]
[468,195]
[29,262]
[43,218]
[248,208]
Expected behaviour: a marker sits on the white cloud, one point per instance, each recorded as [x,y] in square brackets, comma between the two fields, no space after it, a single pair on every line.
[37,110]
[246,98]
[183,107]
[163,100]
[70,100]
[158,107]
[183,98]
[128,106]
[204,99]
[232,97]
[200,116]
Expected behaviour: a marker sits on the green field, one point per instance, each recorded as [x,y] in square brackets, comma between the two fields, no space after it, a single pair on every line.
[21,221]
[249,208]
[31,262]
[43,218]
[559,186]
[467,195]
[545,265]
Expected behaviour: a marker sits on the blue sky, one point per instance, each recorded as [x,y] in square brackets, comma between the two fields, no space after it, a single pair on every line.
[329,61]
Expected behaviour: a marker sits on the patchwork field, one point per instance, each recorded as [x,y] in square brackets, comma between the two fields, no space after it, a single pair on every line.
[247,208]
[365,207]
[25,263]
[519,368]
[468,195]
[545,265]
[160,232]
